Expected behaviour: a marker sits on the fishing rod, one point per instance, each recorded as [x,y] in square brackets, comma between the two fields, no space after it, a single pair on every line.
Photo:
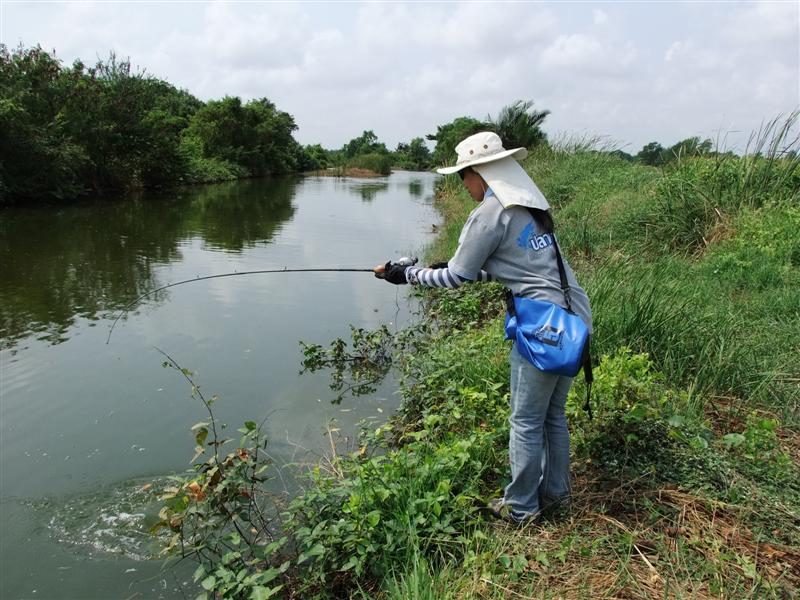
[378,271]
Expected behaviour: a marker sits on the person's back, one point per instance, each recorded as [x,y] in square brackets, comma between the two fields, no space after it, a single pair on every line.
[519,254]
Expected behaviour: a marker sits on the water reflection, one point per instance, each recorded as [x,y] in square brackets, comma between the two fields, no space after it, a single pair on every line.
[415,188]
[236,215]
[61,264]
[369,191]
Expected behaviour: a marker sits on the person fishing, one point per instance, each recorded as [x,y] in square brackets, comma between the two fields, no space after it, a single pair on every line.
[509,238]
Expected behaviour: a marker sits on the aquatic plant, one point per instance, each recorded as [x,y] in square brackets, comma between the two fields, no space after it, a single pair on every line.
[219,513]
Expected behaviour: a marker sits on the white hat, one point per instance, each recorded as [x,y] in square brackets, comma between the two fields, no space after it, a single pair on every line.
[481,148]
[507,179]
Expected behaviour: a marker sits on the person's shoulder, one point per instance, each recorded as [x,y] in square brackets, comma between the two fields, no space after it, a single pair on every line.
[491,208]
[505,215]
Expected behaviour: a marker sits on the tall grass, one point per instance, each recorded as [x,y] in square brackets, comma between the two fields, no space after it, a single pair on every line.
[698,196]
[379,163]
[697,336]
[724,320]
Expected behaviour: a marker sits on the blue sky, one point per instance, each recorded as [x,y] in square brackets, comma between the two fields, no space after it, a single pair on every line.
[630,71]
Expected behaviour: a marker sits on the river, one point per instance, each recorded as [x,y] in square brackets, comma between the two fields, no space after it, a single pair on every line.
[86,427]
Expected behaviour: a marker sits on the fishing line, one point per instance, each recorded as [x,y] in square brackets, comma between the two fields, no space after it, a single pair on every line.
[125,310]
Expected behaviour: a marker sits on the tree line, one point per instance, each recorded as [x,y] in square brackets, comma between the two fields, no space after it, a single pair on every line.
[71,131]
[517,124]
[74,130]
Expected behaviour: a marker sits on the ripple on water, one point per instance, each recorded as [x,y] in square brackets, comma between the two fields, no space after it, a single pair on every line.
[110,520]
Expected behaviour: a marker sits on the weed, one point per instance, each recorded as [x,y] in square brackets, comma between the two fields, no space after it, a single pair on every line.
[698,194]
[218,512]
[355,370]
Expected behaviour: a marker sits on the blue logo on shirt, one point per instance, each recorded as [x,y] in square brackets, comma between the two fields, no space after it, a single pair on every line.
[530,239]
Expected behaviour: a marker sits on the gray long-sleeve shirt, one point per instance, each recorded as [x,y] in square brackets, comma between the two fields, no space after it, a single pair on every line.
[506,244]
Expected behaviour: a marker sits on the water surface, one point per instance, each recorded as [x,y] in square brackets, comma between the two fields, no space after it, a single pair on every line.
[84,426]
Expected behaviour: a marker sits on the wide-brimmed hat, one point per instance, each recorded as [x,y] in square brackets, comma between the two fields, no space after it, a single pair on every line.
[479,149]
[509,182]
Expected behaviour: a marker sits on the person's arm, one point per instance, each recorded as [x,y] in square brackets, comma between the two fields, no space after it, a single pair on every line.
[441,278]
[480,236]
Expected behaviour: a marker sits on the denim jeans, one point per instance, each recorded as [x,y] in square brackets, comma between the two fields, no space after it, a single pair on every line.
[539,442]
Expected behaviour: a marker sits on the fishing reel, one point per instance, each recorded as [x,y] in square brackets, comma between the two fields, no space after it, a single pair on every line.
[403,261]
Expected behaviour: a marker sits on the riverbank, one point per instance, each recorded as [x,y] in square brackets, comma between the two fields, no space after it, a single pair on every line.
[345,172]
[687,481]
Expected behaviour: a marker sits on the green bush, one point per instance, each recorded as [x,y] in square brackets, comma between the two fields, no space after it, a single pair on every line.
[642,429]
[758,449]
[696,196]
[374,510]
[378,163]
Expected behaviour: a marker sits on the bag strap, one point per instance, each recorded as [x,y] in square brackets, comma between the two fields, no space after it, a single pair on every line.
[563,275]
[562,272]
[588,377]
[586,359]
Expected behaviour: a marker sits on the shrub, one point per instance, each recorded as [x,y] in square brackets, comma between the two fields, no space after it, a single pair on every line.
[698,194]
[218,514]
[373,510]
[378,163]
[642,427]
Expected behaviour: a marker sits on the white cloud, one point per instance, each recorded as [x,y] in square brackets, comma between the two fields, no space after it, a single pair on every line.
[599,17]
[584,53]
[688,56]
[764,22]
[402,68]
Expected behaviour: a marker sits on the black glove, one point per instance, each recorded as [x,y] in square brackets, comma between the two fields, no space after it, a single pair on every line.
[395,274]
[438,265]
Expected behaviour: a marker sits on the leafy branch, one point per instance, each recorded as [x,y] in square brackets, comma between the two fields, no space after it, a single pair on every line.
[357,369]
[218,512]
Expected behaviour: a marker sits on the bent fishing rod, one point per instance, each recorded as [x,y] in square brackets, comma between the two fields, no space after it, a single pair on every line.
[377,271]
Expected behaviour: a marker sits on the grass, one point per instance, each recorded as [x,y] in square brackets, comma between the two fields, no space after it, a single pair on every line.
[686,483]
[696,265]
[667,501]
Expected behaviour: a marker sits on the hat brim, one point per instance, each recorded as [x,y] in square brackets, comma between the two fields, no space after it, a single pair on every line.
[517,153]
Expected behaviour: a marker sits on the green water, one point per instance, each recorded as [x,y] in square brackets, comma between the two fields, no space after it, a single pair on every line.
[86,428]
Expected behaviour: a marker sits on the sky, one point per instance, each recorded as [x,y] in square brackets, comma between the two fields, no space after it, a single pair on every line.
[629,72]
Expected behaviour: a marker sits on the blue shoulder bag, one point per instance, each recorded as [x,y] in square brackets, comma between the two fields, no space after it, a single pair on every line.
[551,338]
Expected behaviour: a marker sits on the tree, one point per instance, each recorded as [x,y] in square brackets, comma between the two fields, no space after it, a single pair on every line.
[656,155]
[519,125]
[68,131]
[414,156]
[689,147]
[448,136]
[38,158]
[255,137]
[621,154]
[651,154]
[313,158]
[366,143]
[269,138]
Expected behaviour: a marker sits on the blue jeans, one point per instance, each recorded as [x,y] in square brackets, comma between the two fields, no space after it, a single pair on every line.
[538,446]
